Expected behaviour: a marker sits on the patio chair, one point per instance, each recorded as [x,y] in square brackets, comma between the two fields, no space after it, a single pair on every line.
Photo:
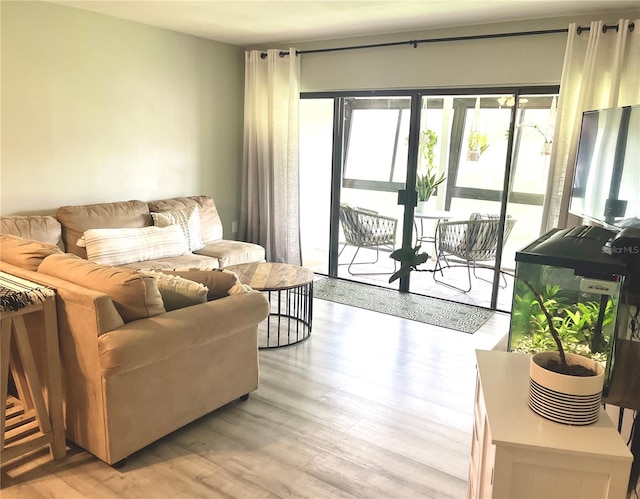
[474,240]
[365,228]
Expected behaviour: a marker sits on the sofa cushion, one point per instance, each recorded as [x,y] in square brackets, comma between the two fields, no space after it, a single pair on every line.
[210,223]
[220,283]
[134,295]
[76,219]
[25,253]
[188,219]
[233,252]
[178,292]
[128,245]
[44,228]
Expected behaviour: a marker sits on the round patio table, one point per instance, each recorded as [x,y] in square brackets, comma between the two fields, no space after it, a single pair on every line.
[289,289]
[437,215]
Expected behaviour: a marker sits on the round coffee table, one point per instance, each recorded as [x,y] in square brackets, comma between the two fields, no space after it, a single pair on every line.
[289,289]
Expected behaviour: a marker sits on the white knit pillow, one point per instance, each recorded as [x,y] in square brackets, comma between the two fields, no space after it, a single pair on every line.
[188,219]
[129,245]
[177,292]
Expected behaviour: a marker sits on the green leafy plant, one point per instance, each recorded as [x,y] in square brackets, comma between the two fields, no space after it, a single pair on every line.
[427,183]
[477,144]
[428,142]
[577,324]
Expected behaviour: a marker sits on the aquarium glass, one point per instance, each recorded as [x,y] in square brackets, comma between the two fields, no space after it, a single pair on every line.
[583,310]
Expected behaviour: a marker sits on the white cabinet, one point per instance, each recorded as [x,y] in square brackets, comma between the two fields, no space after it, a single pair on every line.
[517,454]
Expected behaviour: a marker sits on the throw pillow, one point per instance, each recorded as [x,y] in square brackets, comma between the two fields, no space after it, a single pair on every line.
[129,245]
[178,292]
[134,295]
[25,253]
[220,283]
[188,219]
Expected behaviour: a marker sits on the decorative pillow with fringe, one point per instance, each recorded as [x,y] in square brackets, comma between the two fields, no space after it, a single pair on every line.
[219,282]
[188,219]
[177,292]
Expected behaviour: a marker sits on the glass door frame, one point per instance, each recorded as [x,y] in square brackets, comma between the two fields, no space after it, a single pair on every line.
[408,196]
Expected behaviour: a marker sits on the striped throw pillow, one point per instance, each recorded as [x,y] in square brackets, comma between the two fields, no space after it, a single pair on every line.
[129,245]
[188,219]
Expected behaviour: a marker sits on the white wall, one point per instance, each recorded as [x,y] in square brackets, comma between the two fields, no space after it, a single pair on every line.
[528,60]
[96,109]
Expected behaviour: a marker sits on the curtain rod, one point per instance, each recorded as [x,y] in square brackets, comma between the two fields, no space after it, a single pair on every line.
[415,43]
[605,28]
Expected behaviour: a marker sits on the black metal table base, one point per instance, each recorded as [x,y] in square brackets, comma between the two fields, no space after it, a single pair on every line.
[289,321]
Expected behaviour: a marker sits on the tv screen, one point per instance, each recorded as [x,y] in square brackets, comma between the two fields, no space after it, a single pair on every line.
[606,182]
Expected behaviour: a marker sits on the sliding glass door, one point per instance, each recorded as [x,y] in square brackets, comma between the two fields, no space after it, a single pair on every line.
[375,145]
[316,157]
[467,136]
[535,117]
[398,169]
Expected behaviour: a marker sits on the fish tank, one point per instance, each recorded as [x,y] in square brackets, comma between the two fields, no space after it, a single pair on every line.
[579,281]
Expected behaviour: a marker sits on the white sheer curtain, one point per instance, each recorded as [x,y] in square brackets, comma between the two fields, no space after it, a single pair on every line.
[601,70]
[269,213]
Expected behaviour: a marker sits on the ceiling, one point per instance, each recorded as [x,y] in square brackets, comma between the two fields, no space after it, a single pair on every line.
[249,22]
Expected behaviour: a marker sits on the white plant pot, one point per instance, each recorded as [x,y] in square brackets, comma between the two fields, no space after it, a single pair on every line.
[423,206]
[562,398]
[427,206]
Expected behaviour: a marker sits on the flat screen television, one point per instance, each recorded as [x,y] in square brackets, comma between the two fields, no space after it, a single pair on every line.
[606,182]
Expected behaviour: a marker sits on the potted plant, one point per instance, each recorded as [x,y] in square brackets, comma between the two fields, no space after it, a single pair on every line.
[477,144]
[564,387]
[427,185]
[428,182]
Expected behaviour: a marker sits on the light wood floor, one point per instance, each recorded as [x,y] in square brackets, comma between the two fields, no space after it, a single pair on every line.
[369,406]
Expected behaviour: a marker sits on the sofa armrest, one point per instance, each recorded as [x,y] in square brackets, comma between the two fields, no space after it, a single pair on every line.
[75,303]
[147,341]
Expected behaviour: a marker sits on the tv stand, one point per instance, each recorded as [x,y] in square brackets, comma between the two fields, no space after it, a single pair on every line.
[516,453]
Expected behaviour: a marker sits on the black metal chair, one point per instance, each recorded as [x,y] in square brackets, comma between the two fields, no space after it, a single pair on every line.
[474,240]
[365,228]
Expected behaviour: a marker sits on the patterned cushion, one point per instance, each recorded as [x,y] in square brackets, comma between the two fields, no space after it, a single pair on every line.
[128,245]
[178,292]
[187,219]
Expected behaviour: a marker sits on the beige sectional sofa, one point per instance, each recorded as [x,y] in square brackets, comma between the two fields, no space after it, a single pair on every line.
[216,252]
[132,371]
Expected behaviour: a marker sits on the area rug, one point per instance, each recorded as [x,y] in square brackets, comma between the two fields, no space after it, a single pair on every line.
[443,313]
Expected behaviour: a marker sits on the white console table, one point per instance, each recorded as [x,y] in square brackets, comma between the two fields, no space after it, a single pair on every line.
[517,454]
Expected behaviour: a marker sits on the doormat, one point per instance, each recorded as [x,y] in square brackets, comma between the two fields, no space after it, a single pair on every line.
[443,313]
